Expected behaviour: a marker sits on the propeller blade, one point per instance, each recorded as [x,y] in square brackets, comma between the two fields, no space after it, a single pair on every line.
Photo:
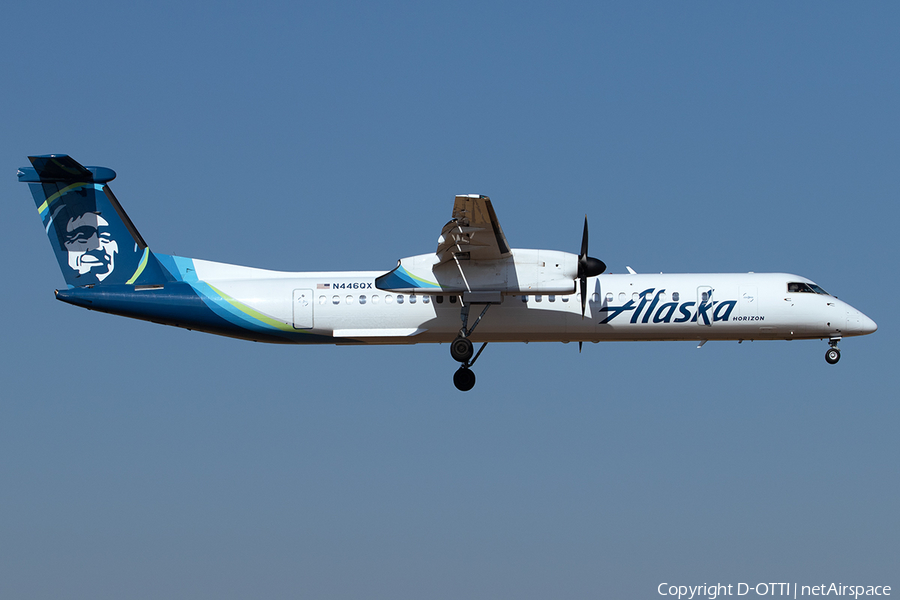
[582,268]
[583,294]
[584,239]
[587,267]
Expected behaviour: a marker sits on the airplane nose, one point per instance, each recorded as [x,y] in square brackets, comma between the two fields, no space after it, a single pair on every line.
[866,325]
[858,323]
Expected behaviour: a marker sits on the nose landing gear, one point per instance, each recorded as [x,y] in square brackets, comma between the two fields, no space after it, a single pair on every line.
[833,354]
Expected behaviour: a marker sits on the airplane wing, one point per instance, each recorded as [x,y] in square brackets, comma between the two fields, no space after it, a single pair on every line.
[473,233]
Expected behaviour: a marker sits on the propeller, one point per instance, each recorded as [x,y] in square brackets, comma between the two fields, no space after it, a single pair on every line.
[587,267]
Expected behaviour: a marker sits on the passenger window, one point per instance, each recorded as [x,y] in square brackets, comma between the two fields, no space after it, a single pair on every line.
[335,299]
[524,298]
[538,297]
[322,299]
[662,296]
[565,298]
[595,298]
[362,299]
[399,298]
[388,299]
[412,299]
[675,296]
[705,296]
[622,296]
[375,299]
[635,296]
[426,299]
[349,299]
[609,297]
[452,299]
[439,299]
[551,298]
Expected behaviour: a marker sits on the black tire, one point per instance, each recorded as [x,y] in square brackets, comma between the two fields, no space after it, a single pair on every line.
[464,379]
[832,356]
[461,349]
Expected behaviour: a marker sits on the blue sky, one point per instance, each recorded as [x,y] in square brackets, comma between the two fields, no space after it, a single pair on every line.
[145,462]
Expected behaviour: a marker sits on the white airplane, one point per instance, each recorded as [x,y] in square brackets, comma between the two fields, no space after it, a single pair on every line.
[473,288]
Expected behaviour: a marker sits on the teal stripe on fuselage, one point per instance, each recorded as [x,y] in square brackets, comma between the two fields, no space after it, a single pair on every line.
[182,269]
[232,310]
[400,278]
[223,308]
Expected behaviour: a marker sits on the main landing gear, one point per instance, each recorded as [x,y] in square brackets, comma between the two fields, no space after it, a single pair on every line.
[462,351]
[833,354]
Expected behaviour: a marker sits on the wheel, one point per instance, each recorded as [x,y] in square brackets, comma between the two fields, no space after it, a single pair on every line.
[832,356]
[461,349]
[464,379]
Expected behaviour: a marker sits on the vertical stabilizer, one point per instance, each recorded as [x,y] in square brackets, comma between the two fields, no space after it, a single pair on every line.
[94,240]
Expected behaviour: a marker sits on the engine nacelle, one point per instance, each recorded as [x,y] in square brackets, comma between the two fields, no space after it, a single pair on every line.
[525,272]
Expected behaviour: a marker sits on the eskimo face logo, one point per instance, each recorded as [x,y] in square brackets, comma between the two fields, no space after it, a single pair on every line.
[91,241]
[90,245]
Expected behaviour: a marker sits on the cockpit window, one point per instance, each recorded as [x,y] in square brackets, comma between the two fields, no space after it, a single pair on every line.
[796,286]
[806,288]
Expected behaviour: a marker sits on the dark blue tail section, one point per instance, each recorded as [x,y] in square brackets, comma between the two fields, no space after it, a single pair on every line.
[94,240]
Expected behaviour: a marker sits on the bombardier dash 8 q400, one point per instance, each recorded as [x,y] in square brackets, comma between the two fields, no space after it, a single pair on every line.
[473,288]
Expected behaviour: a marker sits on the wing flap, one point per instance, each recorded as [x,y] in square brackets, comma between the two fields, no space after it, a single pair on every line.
[474,233]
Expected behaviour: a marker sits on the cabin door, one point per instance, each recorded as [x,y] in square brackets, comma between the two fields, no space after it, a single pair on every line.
[748,303]
[303,309]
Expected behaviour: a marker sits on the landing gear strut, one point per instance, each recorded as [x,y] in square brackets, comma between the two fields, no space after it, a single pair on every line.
[462,349]
[833,354]
[464,378]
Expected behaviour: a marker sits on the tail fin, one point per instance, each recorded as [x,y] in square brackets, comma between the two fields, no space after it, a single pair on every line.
[94,240]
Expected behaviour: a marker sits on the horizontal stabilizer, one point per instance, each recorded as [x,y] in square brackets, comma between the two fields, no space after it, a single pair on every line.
[62,168]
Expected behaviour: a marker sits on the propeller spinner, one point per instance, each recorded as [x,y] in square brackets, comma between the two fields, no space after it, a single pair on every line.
[587,267]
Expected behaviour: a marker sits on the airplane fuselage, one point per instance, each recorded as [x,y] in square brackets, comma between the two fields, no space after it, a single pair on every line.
[346,307]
